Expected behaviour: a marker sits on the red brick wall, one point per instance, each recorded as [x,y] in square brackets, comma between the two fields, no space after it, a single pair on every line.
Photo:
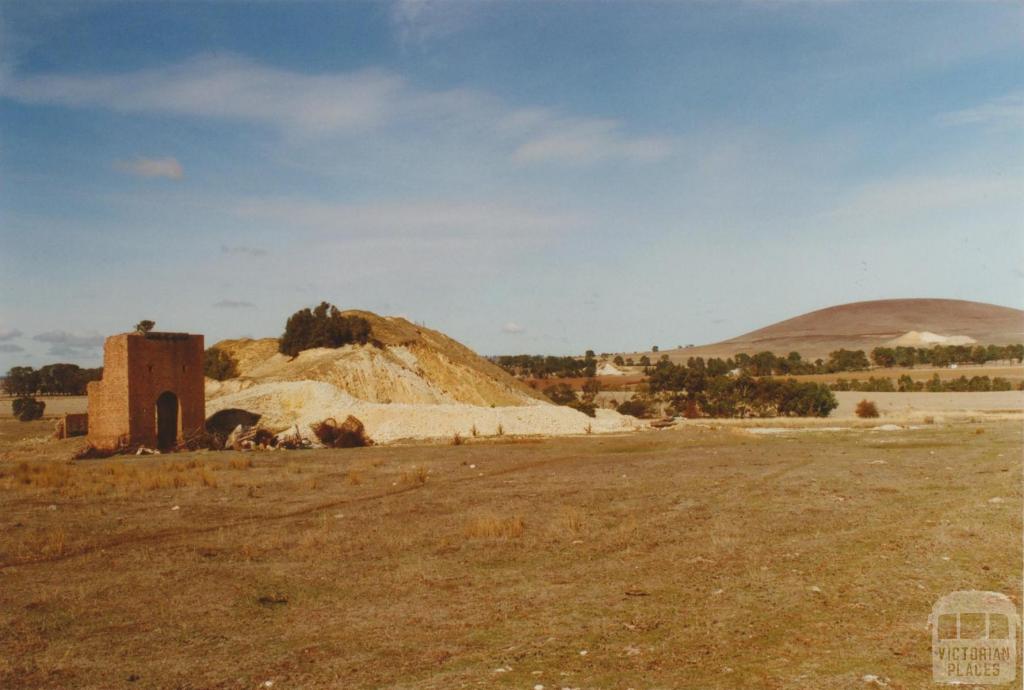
[108,398]
[140,368]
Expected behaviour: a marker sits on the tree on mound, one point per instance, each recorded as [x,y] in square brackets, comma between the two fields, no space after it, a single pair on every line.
[324,326]
[218,364]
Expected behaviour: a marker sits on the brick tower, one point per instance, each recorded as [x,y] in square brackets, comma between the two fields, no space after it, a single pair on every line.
[151,393]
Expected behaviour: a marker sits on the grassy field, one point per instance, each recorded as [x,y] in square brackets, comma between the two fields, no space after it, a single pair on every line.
[708,557]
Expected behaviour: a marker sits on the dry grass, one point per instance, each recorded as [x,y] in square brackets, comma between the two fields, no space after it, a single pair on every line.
[494,527]
[417,475]
[667,556]
[572,519]
[118,476]
[242,463]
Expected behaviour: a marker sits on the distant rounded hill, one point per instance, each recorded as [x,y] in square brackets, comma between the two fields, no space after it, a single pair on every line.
[866,325]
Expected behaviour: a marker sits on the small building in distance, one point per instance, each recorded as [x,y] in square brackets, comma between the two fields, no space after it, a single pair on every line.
[152,391]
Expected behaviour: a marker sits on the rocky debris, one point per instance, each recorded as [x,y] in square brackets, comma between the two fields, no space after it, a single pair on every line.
[250,438]
[286,404]
[349,434]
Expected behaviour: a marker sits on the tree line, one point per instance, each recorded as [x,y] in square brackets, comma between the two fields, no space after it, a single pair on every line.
[905,384]
[695,389]
[944,355]
[543,367]
[767,363]
[51,379]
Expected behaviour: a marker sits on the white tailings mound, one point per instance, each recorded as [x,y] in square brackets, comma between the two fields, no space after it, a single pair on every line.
[284,404]
[927,338]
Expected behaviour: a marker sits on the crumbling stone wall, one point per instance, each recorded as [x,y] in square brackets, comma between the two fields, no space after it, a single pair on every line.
[137,369]
[72,424]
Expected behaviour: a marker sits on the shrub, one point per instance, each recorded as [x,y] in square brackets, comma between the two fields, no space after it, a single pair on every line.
[324,326]
[584,406]
[637,407]
[560,393]
[219,365]
[26,408]
[866,408]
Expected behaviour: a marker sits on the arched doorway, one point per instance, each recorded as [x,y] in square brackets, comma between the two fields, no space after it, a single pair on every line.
[166,420]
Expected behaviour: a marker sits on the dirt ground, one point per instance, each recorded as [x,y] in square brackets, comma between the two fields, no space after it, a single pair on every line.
[914,407]
[704,557]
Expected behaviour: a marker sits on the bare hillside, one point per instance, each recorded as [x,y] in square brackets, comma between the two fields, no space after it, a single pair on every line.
[407,364]
[865,325]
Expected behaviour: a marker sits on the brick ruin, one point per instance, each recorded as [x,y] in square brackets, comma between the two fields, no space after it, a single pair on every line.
[151,393]
[72,424]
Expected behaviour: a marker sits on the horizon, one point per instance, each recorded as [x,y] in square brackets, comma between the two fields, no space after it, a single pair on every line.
[543,178]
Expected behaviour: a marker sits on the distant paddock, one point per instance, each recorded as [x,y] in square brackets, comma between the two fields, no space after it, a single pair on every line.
[56,405]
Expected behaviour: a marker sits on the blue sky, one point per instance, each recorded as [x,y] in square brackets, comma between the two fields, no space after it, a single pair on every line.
[527,177]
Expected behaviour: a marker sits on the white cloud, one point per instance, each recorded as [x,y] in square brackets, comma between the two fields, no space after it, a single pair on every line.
[9,333]
[11,347]
[153,167]
[1004,112]
[234,304]
[230,87]
[581,140]
[513,328]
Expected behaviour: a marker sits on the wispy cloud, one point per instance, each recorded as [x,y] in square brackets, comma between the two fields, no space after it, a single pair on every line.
[1004,112]
[65,344]
[225,86]
[580,140]
[234,304]
[513,328]
[153,167]
[11,347]
[9,333]
[242,250]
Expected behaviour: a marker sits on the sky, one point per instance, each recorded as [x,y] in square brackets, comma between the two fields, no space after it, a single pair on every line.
[525,177]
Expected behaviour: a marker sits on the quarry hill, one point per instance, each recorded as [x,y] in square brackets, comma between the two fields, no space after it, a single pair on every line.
[866,325]
[407,382]
[406,363]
